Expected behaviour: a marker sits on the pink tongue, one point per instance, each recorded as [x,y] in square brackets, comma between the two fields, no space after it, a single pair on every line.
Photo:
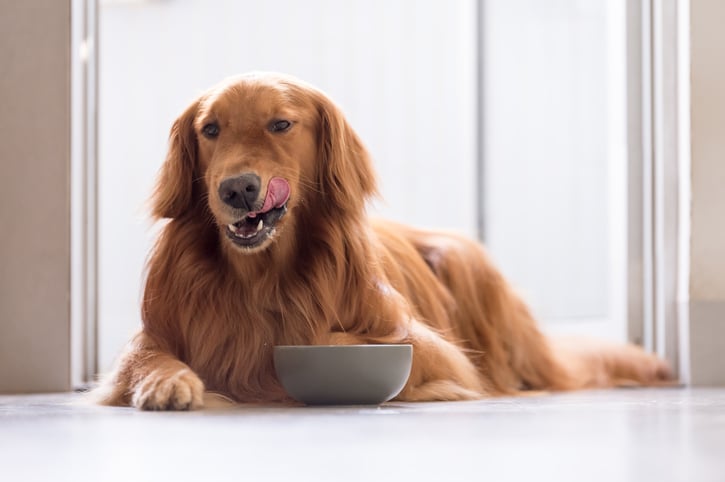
[277,194]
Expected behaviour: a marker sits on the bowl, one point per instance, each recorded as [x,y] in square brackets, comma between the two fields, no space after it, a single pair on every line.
[343,374]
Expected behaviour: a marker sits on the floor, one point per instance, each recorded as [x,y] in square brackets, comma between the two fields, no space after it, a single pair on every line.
[615,435]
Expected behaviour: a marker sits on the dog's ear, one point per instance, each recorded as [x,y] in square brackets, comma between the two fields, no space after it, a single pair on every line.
[346,176]
[174,191]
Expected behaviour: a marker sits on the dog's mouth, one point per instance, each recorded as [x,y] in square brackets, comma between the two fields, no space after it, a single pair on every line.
[257,226]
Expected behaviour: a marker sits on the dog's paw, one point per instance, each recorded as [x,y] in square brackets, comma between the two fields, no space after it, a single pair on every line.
[654,370]
[164,390]
[639,368]
[438,391]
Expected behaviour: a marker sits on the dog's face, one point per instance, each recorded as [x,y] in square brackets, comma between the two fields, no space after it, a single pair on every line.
[257,147]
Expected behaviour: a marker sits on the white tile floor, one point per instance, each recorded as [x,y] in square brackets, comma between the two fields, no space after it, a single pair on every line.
[616,435]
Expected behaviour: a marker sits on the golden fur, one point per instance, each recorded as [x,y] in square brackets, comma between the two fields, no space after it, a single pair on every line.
[212,311]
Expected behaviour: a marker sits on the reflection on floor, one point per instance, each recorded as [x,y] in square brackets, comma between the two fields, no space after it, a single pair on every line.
[615,435]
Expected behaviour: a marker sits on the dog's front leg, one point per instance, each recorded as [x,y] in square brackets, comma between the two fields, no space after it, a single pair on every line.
[440,371]
[149,378]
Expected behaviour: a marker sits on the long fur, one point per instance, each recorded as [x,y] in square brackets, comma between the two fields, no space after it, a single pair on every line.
[213,312]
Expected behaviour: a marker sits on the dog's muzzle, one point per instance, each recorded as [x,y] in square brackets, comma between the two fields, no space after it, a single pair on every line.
[257,225]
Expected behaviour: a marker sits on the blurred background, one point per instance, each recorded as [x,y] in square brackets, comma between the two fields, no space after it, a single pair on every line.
[516,108]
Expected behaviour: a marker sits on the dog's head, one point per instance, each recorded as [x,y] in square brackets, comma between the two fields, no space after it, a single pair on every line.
[255,149]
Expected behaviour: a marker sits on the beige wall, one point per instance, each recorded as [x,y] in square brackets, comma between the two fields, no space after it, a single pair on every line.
[35,195]
[708,150]
[707,263]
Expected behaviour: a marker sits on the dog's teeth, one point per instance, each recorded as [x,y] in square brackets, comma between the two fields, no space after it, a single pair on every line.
[260,225]
[232,228]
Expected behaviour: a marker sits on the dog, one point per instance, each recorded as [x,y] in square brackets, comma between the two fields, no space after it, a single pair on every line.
[268,243]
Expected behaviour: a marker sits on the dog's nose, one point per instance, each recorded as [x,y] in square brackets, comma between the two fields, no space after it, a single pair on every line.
[240,192]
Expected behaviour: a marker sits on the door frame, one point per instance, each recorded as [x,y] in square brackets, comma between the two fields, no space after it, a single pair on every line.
[84,185]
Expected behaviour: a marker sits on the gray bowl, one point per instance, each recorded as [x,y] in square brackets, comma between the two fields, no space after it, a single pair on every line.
[343,374]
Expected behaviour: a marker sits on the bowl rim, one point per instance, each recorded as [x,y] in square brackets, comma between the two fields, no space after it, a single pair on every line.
[314,347]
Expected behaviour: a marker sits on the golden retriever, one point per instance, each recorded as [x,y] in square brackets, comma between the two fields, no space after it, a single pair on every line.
[265,185]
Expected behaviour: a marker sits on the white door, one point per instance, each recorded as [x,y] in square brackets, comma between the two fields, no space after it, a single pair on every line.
[555,158]
[552,147]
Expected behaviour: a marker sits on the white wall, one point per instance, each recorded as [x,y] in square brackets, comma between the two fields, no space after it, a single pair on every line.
[403,71]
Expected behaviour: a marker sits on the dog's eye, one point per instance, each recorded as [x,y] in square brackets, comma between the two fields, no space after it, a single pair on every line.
[279,125]
[211,130]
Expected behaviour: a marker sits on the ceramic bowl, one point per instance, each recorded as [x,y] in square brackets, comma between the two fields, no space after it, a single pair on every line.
[343,374]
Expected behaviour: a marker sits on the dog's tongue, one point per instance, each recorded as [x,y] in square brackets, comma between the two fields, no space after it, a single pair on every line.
[277,194]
